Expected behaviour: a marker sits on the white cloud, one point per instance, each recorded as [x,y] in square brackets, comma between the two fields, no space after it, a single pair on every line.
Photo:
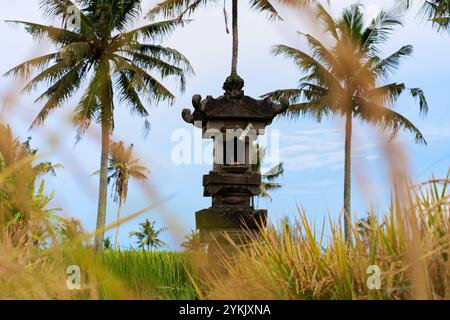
[312,187]
[436,134]
[314,149]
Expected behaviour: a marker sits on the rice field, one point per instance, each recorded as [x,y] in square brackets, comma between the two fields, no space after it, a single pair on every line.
[148,274]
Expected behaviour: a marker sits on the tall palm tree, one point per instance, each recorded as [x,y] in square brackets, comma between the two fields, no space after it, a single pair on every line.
[104,60]
[349,79]
[148,236]
[437,11]
[122,167]
[172,8]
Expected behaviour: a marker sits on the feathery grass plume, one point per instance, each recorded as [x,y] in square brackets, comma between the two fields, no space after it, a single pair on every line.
[409,244]
[25,216]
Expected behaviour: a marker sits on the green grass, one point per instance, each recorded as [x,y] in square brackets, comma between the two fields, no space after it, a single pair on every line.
[152,275]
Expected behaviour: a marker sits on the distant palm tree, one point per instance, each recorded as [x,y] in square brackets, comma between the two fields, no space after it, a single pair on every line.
[437,11]
[148,236]
[172,8]
[193,242]
[122,167]
[113,61]
[268,181]
[348,79]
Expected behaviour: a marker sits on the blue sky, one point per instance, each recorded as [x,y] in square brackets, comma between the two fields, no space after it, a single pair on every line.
[312,153]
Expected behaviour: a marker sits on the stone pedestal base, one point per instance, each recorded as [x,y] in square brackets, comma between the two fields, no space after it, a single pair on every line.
[218,223]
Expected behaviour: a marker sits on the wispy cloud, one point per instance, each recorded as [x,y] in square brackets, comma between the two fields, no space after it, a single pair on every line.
[314,149]
[436,134]
[312,187]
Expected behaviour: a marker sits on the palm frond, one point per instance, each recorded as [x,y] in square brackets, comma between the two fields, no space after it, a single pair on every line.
[387,94]
[57,35]
[176,8]
[388,119]
[57,70]
[292,95]
[167,54]
[155,31]
[128,94]
[316,108]
[25,69]
[274,172]
[63,9]
[155,91]
[126,12]
[380,29]
[385,67]
[307,64]
[320,52]
[59,92]
[329,22]
[419,94]
[266,7]
[164,69]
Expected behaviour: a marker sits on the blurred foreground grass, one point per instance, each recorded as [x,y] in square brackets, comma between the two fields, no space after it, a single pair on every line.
[409,244]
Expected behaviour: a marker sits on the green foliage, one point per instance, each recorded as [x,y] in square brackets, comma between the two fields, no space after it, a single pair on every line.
[154,275]
[107,243]
[268,182]
[24,212]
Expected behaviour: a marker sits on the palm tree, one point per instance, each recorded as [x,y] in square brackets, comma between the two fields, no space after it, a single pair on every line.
[349,79]
[268,181]
[437,11]
[171,8]
[193,242]
[110,60]
[148,236]
[122,167]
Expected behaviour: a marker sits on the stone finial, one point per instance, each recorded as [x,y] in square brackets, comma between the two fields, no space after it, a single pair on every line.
[233,86]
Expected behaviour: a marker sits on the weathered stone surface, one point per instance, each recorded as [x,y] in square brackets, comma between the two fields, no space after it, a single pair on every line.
[231,185]
[233,105]
[219,182]
[231,217]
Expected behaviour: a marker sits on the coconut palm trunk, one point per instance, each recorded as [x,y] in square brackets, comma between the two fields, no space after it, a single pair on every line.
[103,189]
[119,209]
[348,175]
[234,62]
